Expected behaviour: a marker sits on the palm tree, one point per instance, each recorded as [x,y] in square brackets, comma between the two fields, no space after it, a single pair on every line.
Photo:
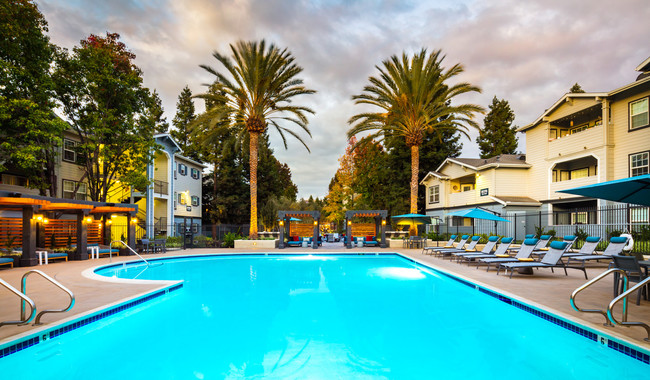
[256,92]
[415,99]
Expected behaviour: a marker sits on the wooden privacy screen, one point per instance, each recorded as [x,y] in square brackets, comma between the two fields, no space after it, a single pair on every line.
[60,228]
[363,229]
[11,228]
[302,229]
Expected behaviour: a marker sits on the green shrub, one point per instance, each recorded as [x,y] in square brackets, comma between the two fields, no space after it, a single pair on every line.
[202,241]
[229,240]
[174,241]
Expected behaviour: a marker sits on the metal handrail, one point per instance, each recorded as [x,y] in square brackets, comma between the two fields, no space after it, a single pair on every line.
[23,289]
[602,312]
[624,296]
[24,299]
[132,250]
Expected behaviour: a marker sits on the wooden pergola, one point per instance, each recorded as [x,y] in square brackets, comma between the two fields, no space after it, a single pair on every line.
[31,206]
[380,224]
[285,217]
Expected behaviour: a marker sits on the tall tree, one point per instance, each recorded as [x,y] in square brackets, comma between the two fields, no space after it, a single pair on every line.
[30,132]
[340,197]
[498,135]
[113,115]
[185,115]
[256,91]
[576,89]
[415,99]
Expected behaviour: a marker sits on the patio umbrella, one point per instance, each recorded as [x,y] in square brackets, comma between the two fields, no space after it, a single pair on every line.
[634,190]
[411,219]
[477,213]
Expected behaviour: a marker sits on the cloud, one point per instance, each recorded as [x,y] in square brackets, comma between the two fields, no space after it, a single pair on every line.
[527,52]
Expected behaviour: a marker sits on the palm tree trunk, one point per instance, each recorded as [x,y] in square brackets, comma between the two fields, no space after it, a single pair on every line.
[253,137]
[415,169]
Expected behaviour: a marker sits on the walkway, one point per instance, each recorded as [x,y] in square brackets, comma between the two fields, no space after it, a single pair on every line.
[550,290]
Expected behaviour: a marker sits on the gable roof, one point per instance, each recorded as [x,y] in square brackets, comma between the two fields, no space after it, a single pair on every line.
[565,98]
[168,138]
[507,160]
[433,174]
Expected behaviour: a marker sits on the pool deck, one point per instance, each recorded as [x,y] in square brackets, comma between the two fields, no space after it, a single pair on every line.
[545,289]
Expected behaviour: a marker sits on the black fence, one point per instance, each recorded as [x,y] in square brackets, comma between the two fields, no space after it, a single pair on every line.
[604,222]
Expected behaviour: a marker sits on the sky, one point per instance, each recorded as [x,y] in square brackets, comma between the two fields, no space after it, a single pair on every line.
[527,52]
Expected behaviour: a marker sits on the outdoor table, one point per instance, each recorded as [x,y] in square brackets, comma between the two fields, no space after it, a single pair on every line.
[159,245]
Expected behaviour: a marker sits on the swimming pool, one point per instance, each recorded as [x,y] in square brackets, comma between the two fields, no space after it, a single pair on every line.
[317,317]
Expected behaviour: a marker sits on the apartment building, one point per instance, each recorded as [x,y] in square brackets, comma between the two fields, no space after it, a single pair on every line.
[581,139]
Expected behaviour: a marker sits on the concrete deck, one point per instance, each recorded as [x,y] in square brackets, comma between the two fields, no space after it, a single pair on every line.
[546,289]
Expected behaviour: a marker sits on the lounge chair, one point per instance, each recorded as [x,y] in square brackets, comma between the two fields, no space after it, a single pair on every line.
[470,248]
[634,272]
[615,247]
[501,251]
[460,245]
[7,261]
[570,239]
[489,246]
[523,253]
[587,249]
[52,255]
[370,241]
[450,244]
[294,241]
[552,259]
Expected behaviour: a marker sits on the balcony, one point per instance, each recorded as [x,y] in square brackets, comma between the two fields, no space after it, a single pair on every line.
[462,199]
[160,187]
[563,185]
[574,143]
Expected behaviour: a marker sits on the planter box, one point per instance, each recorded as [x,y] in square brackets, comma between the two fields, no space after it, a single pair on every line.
[256,244]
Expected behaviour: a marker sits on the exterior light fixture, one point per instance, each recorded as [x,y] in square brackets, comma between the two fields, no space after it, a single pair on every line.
[38,218]
[383,222]
[113,216]
[109,222]
[46,221]
[281,223]
[315,223]
[349,222]
[89,220]
[134,220]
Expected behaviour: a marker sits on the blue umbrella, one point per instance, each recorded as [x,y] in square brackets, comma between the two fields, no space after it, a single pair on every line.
[477,213]
[634,190]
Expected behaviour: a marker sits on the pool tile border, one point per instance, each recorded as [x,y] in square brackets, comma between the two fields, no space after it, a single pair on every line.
[60,330]
[612,343]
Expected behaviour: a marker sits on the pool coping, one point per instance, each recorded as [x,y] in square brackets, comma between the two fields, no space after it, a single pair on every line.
[22,341]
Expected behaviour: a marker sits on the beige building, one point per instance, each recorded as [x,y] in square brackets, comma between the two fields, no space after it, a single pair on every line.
[582,139]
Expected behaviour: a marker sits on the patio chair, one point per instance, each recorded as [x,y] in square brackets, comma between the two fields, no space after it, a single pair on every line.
[634,272]
[570,239]
[450,244]
[523,253]
[552,259]
[460,245]
[615,247]
[501,250]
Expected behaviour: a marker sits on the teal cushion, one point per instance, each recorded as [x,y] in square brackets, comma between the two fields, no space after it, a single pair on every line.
[531,241]
[559,245]
[593,239]
[493,238]
[506,240]
[453,237]
[618,239]
[476,238]
[529,236]
[545,237]
[569,237]
[6,260]
[465,237]
[56,254]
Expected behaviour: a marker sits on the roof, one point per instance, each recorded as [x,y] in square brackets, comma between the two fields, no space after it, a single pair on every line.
[644,66]
[190,160]
[508,200]
[167,136]
[566,97]
[505,160]
[433,174]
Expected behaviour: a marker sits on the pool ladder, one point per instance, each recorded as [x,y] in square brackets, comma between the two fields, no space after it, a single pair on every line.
[24,318]
[610,319]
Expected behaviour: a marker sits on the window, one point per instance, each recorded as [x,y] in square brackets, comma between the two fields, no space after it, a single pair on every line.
[467,187]
[552,135]
[15,180]
[195,173]
[639,164]
[181,198]
[69,150]
[180,228]
[175,199]
[182,169]
[434,194]
[580,173]
[195,228]
[579,217]
[639,114]
[580,128]
[69,190]
[565,175]
[195,200]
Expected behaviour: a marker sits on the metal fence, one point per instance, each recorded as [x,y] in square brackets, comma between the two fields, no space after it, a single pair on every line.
[604,222]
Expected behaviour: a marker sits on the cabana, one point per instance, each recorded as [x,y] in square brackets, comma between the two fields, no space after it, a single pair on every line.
[379,225]
[33,207]
[285,217]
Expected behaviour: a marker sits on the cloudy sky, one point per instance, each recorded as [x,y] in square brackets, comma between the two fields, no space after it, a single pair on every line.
[527,52]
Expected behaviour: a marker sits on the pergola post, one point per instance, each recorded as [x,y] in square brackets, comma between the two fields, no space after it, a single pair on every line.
[82,237]
[283,220]
[314,240]
[348,232]
[28,257]
[383,232]
[107,229]
[130,234]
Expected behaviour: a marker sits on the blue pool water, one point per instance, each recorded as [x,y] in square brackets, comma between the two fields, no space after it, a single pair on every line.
[316,317]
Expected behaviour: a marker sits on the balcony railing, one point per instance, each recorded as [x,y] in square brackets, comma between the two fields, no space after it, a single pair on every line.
[563,185]
[590,138]
[463,198]
[160,187]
